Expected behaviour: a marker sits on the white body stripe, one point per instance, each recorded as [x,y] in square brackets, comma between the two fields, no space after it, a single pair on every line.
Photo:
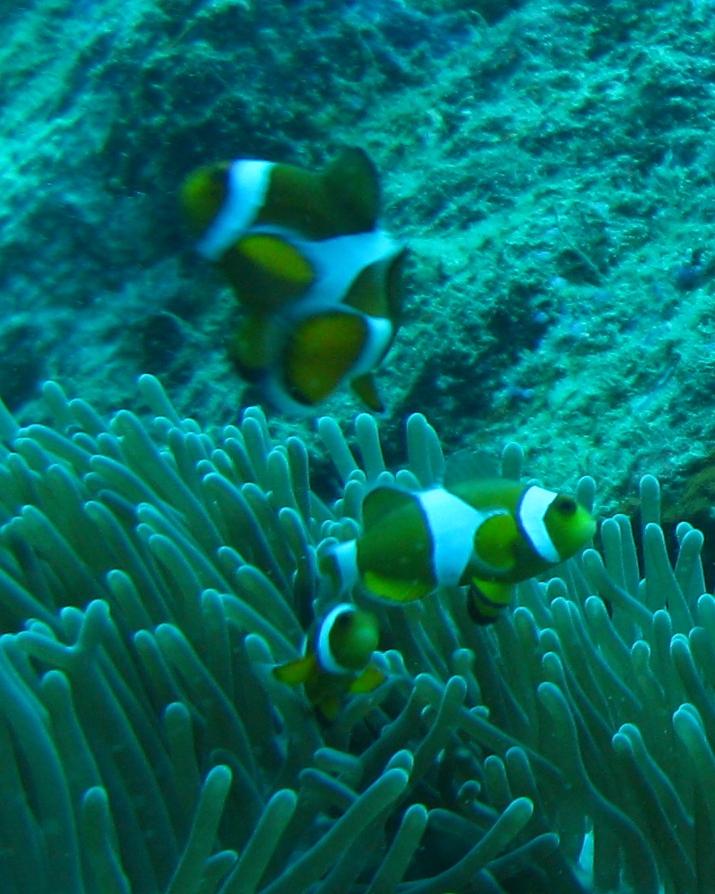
[452,523]
[532,510]
[345,556]
[379,333]
[324,653]
[247,186]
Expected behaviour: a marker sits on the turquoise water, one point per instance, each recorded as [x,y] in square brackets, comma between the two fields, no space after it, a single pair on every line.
[548,164]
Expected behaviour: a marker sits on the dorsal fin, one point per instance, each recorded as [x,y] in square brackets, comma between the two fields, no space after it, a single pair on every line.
[469,465]
[381,502]
[352,181]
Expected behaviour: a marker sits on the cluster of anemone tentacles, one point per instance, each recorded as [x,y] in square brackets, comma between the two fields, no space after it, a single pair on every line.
[151,575]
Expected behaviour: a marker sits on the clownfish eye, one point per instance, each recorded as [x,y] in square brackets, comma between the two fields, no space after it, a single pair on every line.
[565,505]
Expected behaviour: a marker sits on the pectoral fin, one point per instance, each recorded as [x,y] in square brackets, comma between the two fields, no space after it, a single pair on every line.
[368,680]
[266,271]
[296,672]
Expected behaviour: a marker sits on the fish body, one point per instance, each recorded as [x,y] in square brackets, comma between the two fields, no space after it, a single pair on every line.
[485,533]
[336,659]
[319,279]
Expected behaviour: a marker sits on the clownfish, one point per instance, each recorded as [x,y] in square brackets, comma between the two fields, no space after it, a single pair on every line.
[320,281]
[484,533]
[336,659]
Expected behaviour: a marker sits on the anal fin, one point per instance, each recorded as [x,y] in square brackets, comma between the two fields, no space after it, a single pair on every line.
[487,599]
[365,388]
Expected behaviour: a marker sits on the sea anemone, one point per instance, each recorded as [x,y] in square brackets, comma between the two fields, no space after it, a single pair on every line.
[151,576]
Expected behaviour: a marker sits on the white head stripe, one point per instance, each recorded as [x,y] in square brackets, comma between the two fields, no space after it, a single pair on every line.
[324,653]
[532,510]
[379,333]
[452,524]
[245,194]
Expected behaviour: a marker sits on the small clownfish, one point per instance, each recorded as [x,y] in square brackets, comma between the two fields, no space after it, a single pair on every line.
[320,281]
[336,659]
[485,533]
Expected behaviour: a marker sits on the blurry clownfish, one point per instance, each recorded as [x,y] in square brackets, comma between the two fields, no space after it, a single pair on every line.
[320,281]
[487,533]
[336,659]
